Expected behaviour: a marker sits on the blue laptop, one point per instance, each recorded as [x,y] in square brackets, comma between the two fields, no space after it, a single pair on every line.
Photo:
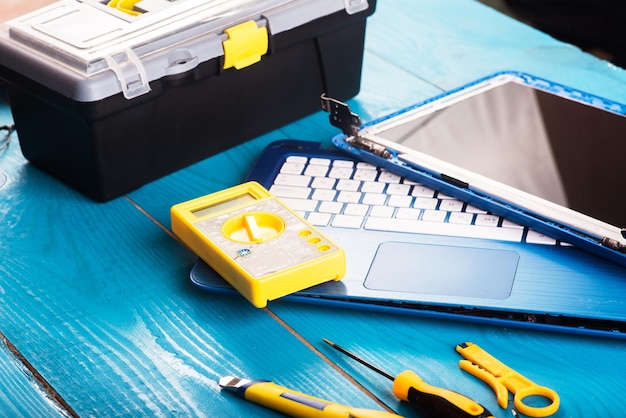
[423,237]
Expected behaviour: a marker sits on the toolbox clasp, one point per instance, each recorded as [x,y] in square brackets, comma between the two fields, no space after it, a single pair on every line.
[355,6]
[131,75]
[245,45]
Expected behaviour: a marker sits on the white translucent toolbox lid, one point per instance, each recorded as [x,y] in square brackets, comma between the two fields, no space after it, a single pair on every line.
[92,49]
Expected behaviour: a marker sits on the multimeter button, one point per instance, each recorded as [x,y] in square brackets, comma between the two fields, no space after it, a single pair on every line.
[253,227]
[323,248]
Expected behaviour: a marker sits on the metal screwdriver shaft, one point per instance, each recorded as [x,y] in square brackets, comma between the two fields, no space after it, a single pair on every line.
[359,359]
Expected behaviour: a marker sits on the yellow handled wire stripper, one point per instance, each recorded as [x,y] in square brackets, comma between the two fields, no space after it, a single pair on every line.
[503,379]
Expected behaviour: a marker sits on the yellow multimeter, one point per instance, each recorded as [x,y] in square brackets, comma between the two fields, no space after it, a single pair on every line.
[256,243]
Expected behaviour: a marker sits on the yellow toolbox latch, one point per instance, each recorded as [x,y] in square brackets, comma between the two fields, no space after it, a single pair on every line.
[126,6]
[245,45]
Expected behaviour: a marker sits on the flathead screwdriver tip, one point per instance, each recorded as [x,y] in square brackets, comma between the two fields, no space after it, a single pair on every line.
[328,342]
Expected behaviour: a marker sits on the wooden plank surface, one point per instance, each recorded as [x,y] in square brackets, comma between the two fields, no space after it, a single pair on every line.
[21,392]
[97,297]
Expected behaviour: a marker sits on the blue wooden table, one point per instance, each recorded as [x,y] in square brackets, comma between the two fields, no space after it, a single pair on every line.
[98,317]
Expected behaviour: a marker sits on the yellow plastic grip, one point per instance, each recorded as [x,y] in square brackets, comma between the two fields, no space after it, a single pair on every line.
[434,398]
[126,6]
[297,404]
[533,411]
[245,45]
[502,394]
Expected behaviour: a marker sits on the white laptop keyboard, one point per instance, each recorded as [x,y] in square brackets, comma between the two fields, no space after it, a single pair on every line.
[347,194]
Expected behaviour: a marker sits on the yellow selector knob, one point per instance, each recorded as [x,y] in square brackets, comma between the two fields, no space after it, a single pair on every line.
[253,227]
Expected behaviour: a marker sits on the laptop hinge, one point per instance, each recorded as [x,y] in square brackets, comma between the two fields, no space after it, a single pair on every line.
[342,117]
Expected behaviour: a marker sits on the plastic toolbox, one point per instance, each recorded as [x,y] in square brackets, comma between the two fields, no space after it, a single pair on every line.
[109,95]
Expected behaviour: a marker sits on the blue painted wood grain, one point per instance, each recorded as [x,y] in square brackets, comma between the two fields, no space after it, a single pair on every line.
[21,395]
[97,296]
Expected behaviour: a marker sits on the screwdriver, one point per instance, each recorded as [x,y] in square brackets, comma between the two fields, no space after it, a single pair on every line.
[438,402]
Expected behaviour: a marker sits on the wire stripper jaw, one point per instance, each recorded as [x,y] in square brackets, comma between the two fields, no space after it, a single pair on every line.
[503,379]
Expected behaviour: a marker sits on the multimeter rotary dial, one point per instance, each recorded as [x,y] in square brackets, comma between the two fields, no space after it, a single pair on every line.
[253,227]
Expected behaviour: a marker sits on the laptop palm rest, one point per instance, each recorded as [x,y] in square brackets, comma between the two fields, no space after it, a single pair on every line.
[443,270]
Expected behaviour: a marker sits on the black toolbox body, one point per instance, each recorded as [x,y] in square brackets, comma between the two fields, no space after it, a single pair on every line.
[110,146]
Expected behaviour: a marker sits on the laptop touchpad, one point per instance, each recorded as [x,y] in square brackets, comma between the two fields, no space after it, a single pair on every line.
[443,270]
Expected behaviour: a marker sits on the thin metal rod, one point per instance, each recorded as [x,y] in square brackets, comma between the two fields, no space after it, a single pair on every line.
[359,359]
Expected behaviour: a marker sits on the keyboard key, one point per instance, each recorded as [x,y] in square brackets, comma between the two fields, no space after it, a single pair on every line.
[366,166]
[292,168]
[292,180]
[473,209]
[347,221]
[350,185]
[382,211]
[374,199]
[323,183]
[398,189]
[343,163]
[340,172]
[372,187]
[451,205]
[408,213]
[316,170]
[287,191]
[508,224]
[330,207]
[324,194]
[487,220]
[432,228]
[461,218]
[422,191]
[387,177]
[425,203]
[319,219]
[399,201]
[534,237]
[349,197]
[356,209]
[430,215]
[320,161]
[299,159]
[365,174]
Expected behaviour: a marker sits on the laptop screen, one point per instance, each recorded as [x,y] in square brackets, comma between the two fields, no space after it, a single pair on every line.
[561,150]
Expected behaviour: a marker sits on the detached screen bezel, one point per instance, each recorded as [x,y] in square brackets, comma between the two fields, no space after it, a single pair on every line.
[547,145]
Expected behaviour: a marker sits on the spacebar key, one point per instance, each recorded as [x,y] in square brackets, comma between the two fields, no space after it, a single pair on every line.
[434,228]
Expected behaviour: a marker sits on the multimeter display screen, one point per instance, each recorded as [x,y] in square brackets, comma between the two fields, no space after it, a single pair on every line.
[231,203]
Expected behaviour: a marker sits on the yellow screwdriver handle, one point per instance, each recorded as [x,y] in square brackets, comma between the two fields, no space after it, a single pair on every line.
[440,402]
